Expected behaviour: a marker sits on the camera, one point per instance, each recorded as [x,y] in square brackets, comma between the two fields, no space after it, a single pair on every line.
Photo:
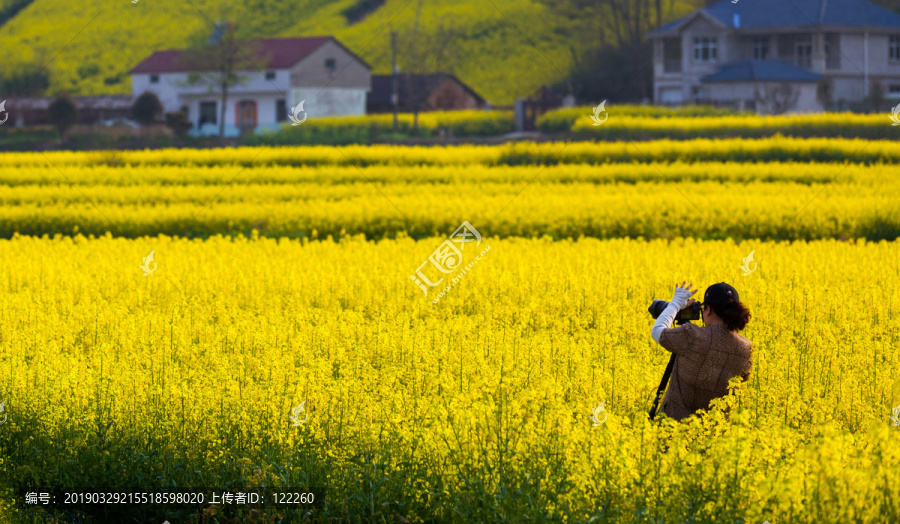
[687,314]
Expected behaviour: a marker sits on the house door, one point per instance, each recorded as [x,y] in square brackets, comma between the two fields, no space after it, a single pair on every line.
[246,117]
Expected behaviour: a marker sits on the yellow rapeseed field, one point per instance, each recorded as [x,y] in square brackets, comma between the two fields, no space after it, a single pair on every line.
[471,406]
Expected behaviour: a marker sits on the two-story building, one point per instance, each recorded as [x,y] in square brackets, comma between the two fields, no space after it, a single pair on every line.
[778,56]
[318,70]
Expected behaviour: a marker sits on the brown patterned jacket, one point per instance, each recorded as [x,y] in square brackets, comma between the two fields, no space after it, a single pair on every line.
[707,357]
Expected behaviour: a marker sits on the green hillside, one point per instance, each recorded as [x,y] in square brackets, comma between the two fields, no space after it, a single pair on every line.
[502,48]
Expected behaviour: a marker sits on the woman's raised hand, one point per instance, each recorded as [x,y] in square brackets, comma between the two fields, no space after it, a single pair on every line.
[683,293]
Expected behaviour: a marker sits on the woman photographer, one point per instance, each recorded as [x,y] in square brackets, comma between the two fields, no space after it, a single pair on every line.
[706,357]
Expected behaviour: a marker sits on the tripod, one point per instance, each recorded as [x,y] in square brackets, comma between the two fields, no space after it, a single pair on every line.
[665,379]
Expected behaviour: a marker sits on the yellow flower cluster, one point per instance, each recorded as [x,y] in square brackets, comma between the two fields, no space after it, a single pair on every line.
[190,370]
[775,149]
[776,200]
[470,410]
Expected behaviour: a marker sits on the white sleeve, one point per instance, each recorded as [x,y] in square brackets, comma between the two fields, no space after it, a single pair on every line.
[668,315]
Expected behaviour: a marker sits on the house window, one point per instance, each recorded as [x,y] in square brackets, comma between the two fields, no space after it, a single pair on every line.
[894,91]
[280,111]
[832,51]
[760,47]
[894,49]
[207,113]
[704,49]
[270,75]
[672,55]
[154,79]
[330,64]
[803,51]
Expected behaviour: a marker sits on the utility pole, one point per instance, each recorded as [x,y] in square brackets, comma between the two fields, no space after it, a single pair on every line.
[395,98]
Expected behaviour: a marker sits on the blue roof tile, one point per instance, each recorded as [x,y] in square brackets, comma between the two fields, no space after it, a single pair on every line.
[780,13]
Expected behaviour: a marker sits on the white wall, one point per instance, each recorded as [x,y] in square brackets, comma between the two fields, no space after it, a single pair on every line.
[332,101]
[174,92]
[732,92]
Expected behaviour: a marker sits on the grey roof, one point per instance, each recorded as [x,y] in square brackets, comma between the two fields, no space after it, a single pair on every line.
[760,70]
[754,14]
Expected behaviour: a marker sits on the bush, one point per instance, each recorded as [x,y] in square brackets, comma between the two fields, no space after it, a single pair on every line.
[63,114]
[178,122]
[146,109]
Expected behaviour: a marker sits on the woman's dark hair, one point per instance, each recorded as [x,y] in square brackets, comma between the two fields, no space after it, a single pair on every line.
[734,314]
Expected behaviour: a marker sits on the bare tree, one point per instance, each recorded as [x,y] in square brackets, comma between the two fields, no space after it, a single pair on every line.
[221,64]
[776,100]
[425,53]
[622,24]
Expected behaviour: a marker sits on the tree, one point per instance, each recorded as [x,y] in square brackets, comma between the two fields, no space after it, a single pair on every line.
[219,64]
[63,114]
[146,109]
[612,27]
[776,100]
[425,53]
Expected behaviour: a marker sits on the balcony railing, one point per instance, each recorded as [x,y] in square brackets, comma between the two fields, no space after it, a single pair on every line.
[672,65]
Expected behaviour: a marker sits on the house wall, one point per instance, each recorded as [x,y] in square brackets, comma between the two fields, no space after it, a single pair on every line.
[333,101]
[174,92]
[337,91]
[849,81]
[734,93]
[691,70]
[348,71]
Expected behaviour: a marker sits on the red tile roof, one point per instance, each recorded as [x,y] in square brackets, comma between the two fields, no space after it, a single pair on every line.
[284,53]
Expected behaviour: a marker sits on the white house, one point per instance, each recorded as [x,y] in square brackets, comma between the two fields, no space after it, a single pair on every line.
[320,70]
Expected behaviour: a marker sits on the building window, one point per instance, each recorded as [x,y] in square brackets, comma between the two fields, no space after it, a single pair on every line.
[760,47]
[270,75]
[207,113]
[894,91]
[894,49]
[154,79]
[803,51]
[832,51]
[280,111]
[330,64]
[672,55]
[704,49]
